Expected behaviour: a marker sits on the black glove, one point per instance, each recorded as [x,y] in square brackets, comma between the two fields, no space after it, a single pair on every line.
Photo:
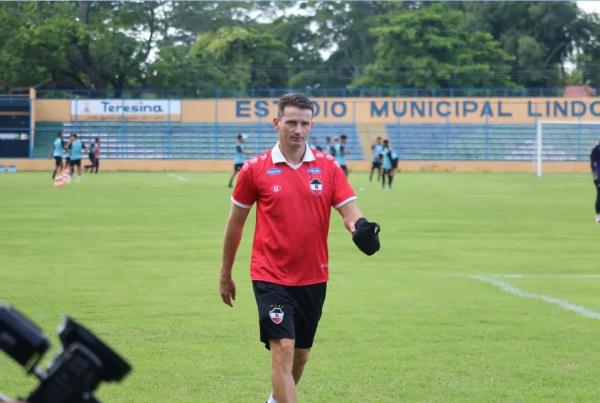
[365,236]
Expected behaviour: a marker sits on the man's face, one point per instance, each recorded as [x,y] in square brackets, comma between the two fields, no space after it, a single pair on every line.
[294,126]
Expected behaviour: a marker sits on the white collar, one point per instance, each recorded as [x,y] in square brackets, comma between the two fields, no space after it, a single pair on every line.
[277,156]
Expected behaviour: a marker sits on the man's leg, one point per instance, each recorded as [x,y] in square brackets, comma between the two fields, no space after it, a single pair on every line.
[597,205]
[282,364]
[235,171]
[300,359]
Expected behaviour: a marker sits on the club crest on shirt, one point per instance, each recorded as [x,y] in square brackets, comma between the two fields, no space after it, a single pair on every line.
[276,314]
[276,188]
[316,186]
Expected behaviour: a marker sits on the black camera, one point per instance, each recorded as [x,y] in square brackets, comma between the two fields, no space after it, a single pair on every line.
[75,373]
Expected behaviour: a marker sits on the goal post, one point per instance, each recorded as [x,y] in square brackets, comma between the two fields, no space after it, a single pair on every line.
[539,137]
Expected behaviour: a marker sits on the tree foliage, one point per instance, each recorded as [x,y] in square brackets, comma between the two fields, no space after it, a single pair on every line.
[309,44]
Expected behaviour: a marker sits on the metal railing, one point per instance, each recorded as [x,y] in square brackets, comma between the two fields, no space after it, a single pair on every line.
[179,93]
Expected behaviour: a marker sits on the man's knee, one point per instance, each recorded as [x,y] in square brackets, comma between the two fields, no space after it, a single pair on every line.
[282,350]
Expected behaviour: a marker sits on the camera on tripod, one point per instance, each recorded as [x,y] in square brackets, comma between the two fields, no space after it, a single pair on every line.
[75,373]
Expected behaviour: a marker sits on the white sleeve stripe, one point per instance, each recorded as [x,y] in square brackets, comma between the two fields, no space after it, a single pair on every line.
[237,203]
[348,200]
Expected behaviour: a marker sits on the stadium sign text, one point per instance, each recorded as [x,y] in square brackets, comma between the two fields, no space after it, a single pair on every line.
[134,109]
[432,108]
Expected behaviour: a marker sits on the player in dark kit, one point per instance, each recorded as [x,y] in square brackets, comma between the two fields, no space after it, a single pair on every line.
[294,190]
[595,167]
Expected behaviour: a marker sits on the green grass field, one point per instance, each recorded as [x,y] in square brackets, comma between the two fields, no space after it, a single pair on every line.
[135,257]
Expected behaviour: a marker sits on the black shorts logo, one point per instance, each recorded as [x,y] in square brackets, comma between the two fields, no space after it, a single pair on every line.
[276,313]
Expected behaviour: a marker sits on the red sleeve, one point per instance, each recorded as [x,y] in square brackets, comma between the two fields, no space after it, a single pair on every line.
[245,193]
[342,191]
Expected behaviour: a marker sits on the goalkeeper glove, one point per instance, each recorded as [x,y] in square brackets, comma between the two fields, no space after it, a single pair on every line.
[365,236]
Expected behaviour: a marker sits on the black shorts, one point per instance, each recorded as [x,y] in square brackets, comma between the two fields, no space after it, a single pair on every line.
[394,164]
[289,312]
[344,168]
[58,161]
[375,164]
[237,167]
[74,163]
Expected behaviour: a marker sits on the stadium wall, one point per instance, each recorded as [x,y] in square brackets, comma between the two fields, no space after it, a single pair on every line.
[414,123]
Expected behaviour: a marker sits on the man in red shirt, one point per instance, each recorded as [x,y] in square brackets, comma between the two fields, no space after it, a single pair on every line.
[294,189]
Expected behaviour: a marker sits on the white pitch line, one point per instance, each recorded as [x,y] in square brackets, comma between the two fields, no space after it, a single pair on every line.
[569,306]
[572,276]
[178,177]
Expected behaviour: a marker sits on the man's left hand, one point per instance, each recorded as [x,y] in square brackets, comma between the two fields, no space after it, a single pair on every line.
[366,236]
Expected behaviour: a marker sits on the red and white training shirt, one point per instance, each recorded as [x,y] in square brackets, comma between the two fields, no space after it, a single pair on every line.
[292,217]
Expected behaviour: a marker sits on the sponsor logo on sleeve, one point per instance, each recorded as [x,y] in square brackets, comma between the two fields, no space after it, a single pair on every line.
[276,188]
[313,170]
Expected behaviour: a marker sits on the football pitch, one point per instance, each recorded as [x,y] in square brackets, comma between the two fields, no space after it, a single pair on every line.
[487,288]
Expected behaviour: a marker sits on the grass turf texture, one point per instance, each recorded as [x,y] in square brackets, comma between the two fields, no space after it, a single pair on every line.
[135,257]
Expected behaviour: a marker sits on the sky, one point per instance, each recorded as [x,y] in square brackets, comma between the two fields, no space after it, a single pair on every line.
[589,6]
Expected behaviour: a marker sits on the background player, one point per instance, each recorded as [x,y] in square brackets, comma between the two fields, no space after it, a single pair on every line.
[77,148]
[341,151]
[389,164]
[57,152]
[240,156]
[94,156]
[376,155]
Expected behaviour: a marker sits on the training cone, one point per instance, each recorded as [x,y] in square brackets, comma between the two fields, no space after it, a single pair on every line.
[59,181]
[66,176]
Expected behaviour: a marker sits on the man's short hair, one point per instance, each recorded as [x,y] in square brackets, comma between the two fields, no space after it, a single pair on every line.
[343,137]
[58,134]
[295,99]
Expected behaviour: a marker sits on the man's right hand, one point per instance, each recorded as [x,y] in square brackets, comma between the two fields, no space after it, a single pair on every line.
[227,289]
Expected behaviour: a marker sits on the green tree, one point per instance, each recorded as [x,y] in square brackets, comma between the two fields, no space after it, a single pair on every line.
[76,44]
[426,48]
[541,35]
[242,58]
